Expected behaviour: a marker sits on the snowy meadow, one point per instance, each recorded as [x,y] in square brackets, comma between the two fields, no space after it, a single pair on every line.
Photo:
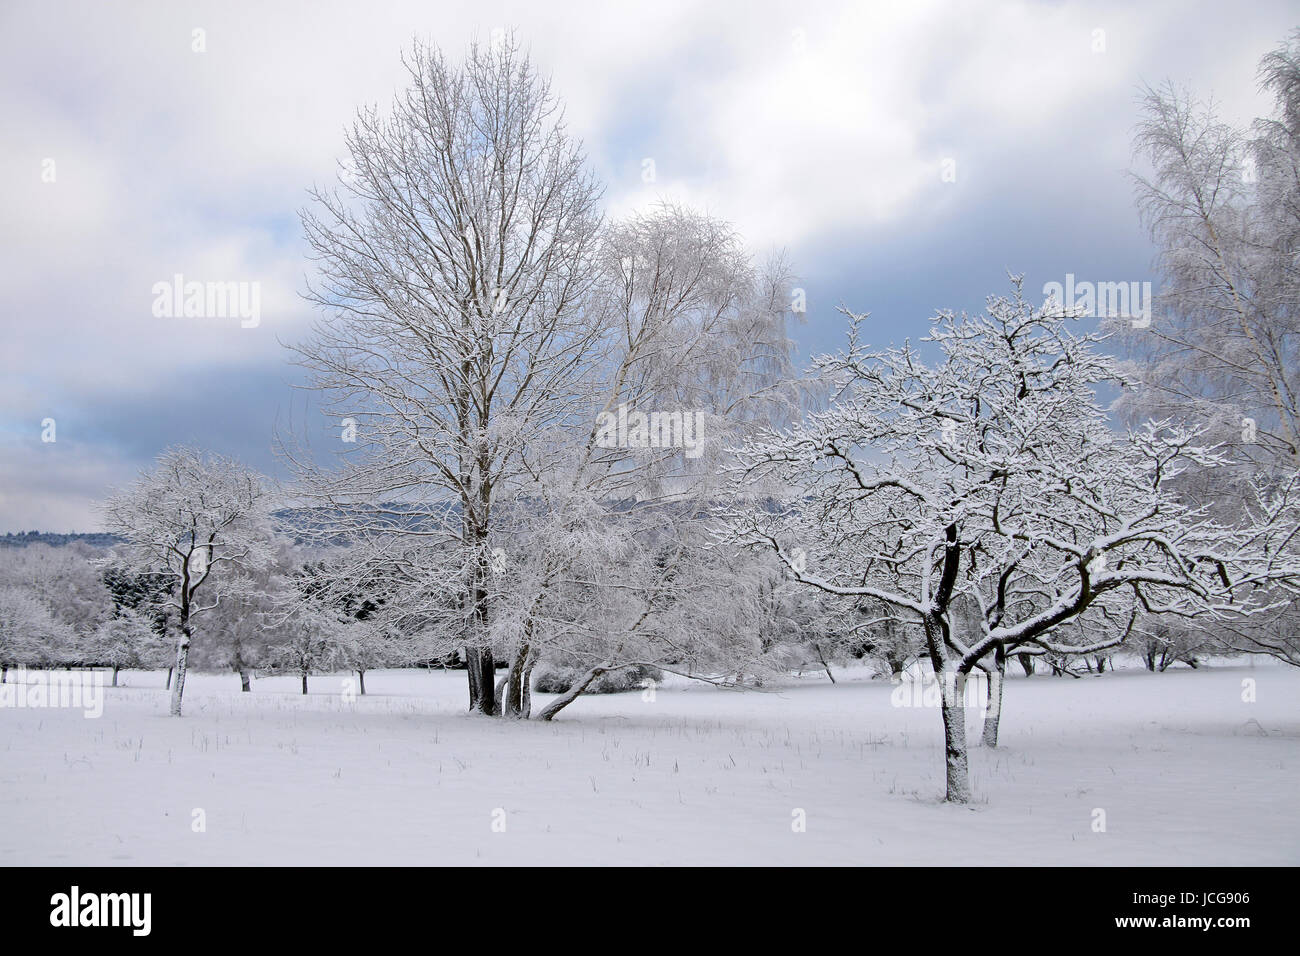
[803,773]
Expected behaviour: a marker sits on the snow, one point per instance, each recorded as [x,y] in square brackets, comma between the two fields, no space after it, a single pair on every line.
[1185,770]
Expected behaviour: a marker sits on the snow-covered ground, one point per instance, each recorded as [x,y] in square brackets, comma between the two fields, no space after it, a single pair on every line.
[1184,769]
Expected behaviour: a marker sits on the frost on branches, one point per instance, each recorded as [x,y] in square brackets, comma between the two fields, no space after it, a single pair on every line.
[193,519]
[984,496]
[481,324]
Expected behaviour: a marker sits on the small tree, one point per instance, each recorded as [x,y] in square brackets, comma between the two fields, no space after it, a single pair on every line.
[29,634]
[312,642]
[191,518]
[368,644]
[126,640]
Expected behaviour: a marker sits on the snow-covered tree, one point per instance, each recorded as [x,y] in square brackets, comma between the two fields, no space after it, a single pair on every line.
[67,581]
[310,641]
[30,635]
[129,639]
[455,264]
[484,336]
[193,517]
[369,638]
[991,478]
[369,643]
[1223,207]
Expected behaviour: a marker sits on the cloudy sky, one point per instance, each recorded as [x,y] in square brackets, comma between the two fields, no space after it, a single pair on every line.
[127,157]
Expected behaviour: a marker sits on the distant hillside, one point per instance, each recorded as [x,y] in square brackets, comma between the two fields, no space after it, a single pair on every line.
[98,539]
[300,523]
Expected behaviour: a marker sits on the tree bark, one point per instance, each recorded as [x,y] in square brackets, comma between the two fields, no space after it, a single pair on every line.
[361,676]
[993,710]
[570,695]
[957,778]
[822,657]
[896,666]
[170,670]
[115,670]
[245,682]
[481,667]
[182,645]
[498,693]
[512,703]
[953,681]
[304,682]
[526,690]
[182,658]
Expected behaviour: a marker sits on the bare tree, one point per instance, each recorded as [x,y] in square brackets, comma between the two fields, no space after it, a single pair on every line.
[482,333]
[1223,207]
[30,634]
[992,481]
[190,518]
[455,264]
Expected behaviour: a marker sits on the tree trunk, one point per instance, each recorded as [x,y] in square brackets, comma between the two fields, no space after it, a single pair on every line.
[896,665]
[473,677]
[304,682]
[169,678]
[1026,663]
[481,667]
[480,664]
[115,670]
[526,689]
[512,703]
[953,696]
[245,681]
[993,711]
[361,676]
[182,645]
[957,779]
[570,695]
[182,658]
[498,693]
[822,658]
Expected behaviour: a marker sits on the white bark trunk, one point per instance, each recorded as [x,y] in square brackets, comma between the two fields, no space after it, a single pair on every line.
[954,737]
[178,686]
[993,712]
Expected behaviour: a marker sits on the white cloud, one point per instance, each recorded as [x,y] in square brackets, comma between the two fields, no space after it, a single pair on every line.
[799,122]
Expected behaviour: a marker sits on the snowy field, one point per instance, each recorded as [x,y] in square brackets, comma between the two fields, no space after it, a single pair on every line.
[1186,772]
